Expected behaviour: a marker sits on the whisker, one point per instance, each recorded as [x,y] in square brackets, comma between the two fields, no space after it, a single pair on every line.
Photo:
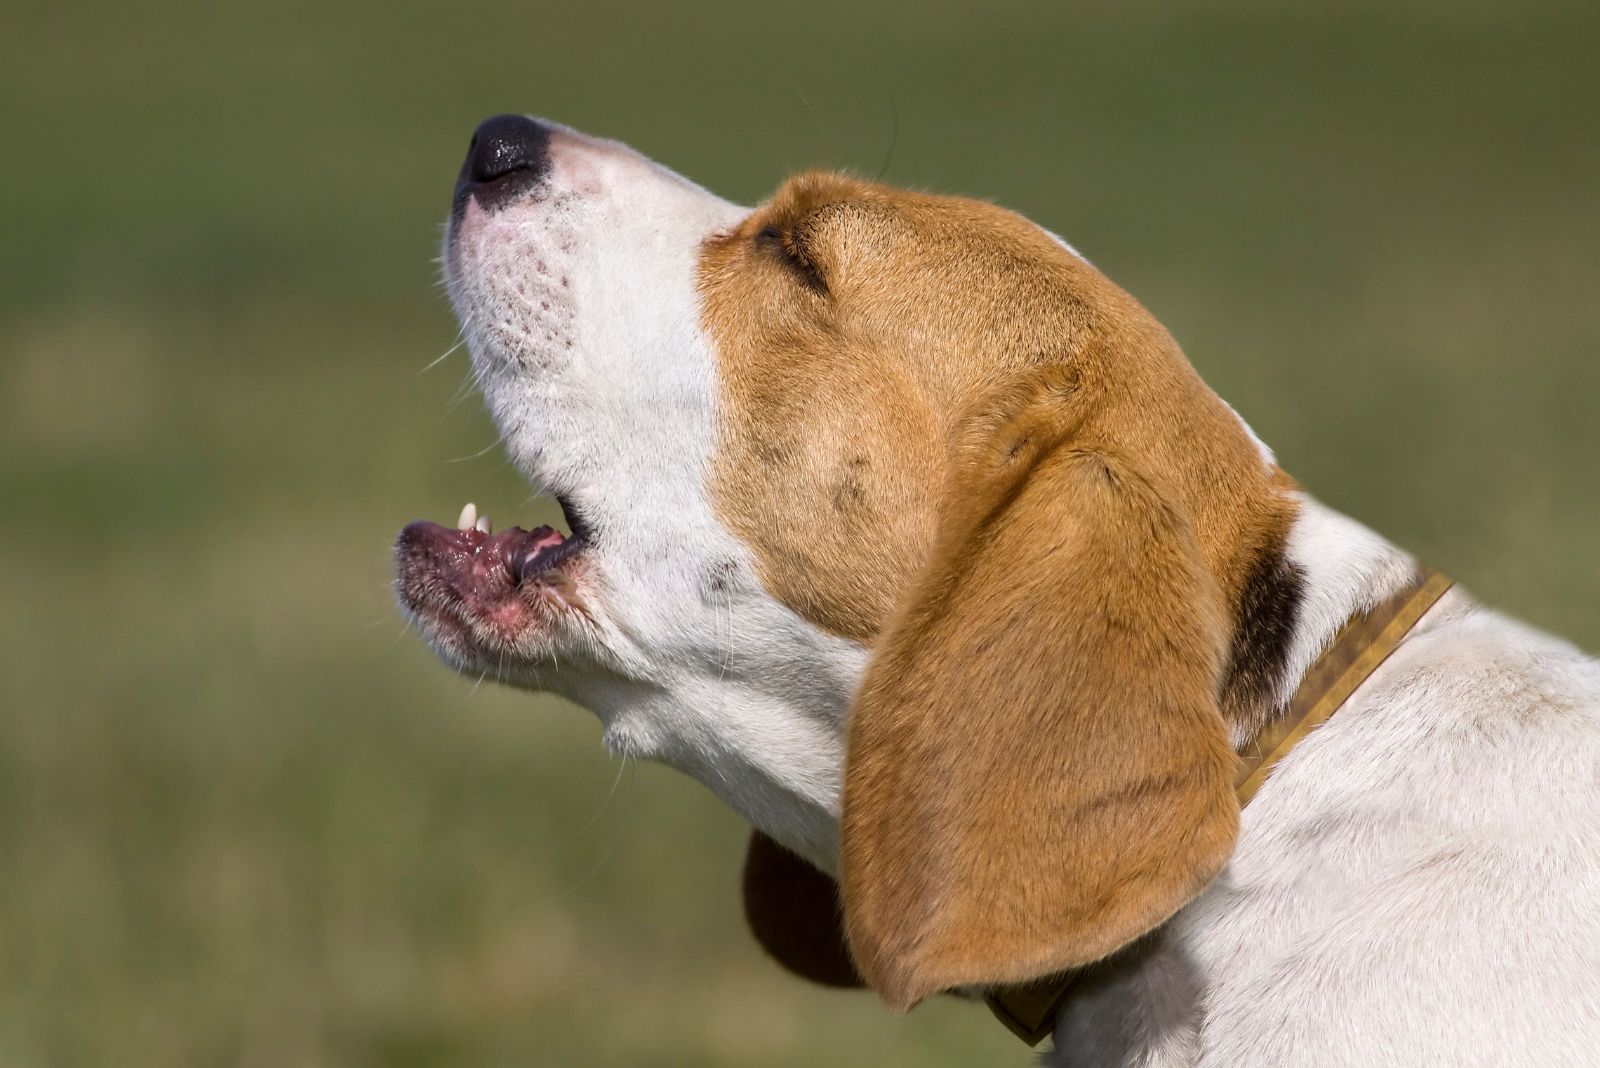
[404,630]
[461,339]
[822,131]
[611,847]
[727,648]
[615,782]
[463,702]
[475,455]
[462,393]
[894,139]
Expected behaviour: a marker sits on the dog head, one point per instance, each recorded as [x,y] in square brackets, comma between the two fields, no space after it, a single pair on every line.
[893,521]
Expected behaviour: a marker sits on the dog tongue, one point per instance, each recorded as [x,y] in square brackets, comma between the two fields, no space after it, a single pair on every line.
[542,538]
[537,553]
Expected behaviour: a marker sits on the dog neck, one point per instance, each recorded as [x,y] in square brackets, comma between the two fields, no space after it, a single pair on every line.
[1340,569]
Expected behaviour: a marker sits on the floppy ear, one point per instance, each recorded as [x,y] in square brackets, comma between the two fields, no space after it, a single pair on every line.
[793,910]
[1038,772]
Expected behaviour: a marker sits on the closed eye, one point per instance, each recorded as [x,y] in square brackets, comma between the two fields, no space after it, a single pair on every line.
[790,246]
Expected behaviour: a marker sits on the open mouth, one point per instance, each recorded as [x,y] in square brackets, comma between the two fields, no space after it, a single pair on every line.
[478,591]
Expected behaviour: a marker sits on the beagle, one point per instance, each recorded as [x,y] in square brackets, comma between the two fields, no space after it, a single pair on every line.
[919,542]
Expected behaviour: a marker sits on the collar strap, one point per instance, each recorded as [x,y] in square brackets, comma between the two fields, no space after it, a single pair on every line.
[1364,642]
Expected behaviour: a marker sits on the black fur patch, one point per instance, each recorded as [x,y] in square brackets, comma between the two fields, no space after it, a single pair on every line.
[1268,610]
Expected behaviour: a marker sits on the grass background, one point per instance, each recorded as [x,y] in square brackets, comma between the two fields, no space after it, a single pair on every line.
[245,821]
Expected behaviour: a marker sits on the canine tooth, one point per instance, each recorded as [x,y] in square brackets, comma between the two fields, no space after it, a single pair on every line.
[483,525]
[469,516]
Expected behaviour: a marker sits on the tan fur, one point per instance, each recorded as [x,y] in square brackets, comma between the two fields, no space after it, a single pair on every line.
[1063,652]
[947,437]
[841,406]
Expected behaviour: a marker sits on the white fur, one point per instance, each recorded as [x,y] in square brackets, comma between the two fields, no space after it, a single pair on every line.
[580,312]
[1419,881]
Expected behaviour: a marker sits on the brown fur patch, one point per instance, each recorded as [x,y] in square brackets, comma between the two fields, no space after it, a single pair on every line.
[947,437]
[1038,770]
[854,323]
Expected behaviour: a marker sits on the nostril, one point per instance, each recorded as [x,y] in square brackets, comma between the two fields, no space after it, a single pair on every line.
[506,144]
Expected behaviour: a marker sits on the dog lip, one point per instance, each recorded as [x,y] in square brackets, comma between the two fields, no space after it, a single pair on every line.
[544,558]
[576,521]
[478,565]
[463,581]
[474,590]
[478,594]
[495,193]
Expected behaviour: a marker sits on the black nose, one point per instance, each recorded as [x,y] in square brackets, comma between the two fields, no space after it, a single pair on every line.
[504,144]
[508,154]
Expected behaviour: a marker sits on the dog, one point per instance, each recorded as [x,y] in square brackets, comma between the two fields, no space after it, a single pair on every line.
[919,542]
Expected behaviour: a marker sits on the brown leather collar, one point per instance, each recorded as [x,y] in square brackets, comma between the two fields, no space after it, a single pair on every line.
[1364,642]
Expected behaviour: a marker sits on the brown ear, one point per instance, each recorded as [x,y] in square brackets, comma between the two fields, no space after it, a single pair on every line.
[1038,771]
[793,910]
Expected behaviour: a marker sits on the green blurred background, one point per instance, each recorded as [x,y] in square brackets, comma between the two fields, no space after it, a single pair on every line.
[244,820]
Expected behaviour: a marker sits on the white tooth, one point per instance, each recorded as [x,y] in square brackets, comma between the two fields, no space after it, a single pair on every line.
[469,516]
[483,524]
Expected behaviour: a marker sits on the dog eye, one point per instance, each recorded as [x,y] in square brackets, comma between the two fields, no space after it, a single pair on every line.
[791,245]
[781,242]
